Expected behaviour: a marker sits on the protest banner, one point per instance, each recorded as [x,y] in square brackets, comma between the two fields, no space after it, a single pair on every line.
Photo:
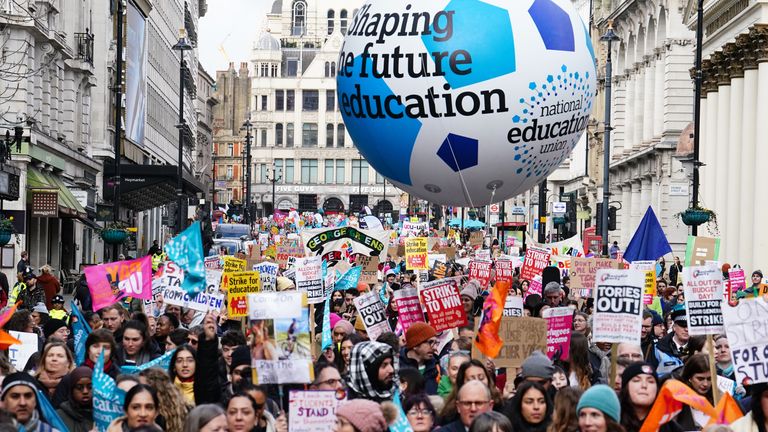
[513,306]
[213,263]
[416,253]
[313,410]
[559,322]
[108,399]
[345,243]
[483,255]
[747,331]
[276,305]
[448,251]
[533,264]
[505,270]
[699,250]
[439,270]
[618,306]
[370,268]
[372,312]
[162,362]
[649,267]
[442,303]
[572,246]
[703,288]
[268,273]
[114,281]
[408,307]
[19,354]
[411,229]
[232,264]
[292,337]
[476,238]
[281,371]
[583,271]
[520,336]
[309,278]
[288,249]
[238,285]
[480,271]
[150,306]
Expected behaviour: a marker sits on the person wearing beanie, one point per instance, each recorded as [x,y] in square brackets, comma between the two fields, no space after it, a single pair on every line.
[420,353]
[241,364]
[639,388]
[77,411]
[19,397]
[360,327]
[372,372]
[56,328]
[340,329]
[752,291]
[391,279]
[599,410]
[469,294]
[538,367]
[362,415]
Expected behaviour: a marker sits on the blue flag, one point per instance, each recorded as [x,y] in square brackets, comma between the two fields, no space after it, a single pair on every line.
[163,362]
[383,294]
[401,424]
[49,413]
[81,329]
[648,242]
[107,398]
[186,250]
[349,279]
[326,341]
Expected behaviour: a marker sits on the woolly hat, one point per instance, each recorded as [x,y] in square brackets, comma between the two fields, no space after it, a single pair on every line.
[40,308]
[345,325]
[471,289]
[417,333]
[284,284]
[334,318]
[241,356]
[359,324]
[603,398]
[51,326]
[17,378]
[365,415]
[758,272]
[537,365]
[636,369]
[656,318]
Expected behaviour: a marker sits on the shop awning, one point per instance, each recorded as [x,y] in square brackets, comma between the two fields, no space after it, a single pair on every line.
[144,187]
[43,182]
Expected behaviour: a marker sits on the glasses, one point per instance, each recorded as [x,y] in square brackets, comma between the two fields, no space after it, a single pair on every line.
[472,404]
[419,412]
[632,356]
[331,382]
[192,341]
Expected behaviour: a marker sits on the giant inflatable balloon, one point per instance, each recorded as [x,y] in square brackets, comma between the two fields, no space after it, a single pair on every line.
[461,102]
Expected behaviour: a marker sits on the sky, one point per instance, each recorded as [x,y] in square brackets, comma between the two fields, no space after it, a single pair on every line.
[233,24]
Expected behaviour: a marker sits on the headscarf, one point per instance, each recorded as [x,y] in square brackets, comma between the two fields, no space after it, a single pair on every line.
[365,359]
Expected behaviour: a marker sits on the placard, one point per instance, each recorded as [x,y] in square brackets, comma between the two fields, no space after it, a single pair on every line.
[535,261]
[583,271]
[747,331]
[370,271]
[483,254]
[288,249]
[448,251]
[372,312]
[268,273]
[238,285]
[275,305]
[442,303]
[505,270]
[521,337]
[416,253]
[700,249]
[408,307]
[411,229]
[737,282]
[559,322]
[313,410]
[618,306]
[703,287]
[534,287]
[476,238]
[345,243]
[19,354]
[282,372]
[213,263]
[649,267]
[439,270]
[232,264]
[202,302]
[480,271]
[513,306]
[309,278]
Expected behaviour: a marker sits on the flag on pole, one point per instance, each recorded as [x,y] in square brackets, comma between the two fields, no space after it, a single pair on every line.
[186,250]
[488,340]
[81,330]
[649,241]
[327,341]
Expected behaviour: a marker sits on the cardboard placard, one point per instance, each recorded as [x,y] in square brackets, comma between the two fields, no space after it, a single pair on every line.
[703,287]
[618,313]
[370,265]
[313,410]
[746,327]
[700,249]
[583,271]
[442,303]
[521,336]
[448,251]
[476,238]
[416,253]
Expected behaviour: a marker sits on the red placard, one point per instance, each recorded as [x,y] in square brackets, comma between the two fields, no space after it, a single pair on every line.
[442,303]
[535,261]
[505,270]
[480,271]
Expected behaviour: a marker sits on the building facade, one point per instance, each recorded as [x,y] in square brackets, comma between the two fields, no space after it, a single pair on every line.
[206,102]
[299,134]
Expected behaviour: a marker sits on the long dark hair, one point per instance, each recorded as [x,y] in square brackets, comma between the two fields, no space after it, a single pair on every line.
[628,417]
[697,363]
[99,336]
[579,360]
[758,415]
[172,365]
[140,388]
[518,423]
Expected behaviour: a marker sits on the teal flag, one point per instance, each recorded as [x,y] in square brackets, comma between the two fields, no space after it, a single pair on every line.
[401,424]
[49,413]
[81,330]
[349,279]
[186,250]
[107,398]
[163,362]
[327,341]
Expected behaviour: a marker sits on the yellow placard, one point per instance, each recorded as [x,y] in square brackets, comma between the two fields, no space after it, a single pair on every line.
[416,253]
[238,285]
[232,264]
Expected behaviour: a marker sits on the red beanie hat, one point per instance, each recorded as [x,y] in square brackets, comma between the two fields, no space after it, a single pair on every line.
[418,333]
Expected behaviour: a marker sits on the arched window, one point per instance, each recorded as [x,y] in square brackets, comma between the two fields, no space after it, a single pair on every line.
[327,69]
[329,135]
[333,69]
[299,18]
[279,135]
[340,132]
[343,21]
[331,16]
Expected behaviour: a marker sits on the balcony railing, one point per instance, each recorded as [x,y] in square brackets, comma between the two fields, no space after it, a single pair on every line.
[84,47]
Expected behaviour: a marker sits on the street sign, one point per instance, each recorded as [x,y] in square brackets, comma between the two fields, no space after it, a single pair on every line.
[558,207]
[518,210]
[494,208]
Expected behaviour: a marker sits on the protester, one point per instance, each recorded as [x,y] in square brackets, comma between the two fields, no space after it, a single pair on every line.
[360,416]
[140,409]
[98,341]
[472,370]
[420,413]
[599,410]
[173,407]
[419,353]
[327,377]
[697,376]
[473,399]
[671,348]
[564,416]
[55,362]
[452,363]
[19,397]
[492,422]
[77,411]
[531,408]
[206,418]
[756,420]
[372,370]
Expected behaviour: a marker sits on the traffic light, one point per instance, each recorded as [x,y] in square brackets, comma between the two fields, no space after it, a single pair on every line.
[612,218]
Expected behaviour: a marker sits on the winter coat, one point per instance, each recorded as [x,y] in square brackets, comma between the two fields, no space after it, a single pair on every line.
[745,424]
[74,419]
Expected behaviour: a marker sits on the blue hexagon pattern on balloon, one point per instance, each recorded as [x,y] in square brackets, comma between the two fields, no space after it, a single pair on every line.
[385,142]
[458,152]
[484,33]
[554,25]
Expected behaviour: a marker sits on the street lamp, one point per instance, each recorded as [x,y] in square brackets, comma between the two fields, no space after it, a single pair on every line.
[181,46]
[274,178]
[248,126]
[610,37]
[697,108]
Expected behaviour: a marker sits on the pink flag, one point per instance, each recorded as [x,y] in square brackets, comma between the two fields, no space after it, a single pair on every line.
[111,282]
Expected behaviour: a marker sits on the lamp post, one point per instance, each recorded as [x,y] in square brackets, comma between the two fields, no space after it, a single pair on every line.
[610,37]
[274,178]
[543,211]
[118,88]
[698,78]
[181,46]
[248,126]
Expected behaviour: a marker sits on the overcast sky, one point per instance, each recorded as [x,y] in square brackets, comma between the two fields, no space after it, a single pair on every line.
[233,24]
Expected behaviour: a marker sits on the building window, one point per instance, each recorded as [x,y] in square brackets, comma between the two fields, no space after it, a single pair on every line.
[329,173]
[310,100]
[331,16]
[298,23]
[264,102]
[279,100]
[308,171]
[279,135]
[290,100]
[274,71]
[288,171]
[230,149]
[263,174]
[263,137]
[309,135]
[341,166]
[289,135]
[343,21]
[293,67]
[278,171]
[340,135]
[359,171]
[327,69]
[229,172]
[329,135]
[330,100]
[264,69]
[379,178]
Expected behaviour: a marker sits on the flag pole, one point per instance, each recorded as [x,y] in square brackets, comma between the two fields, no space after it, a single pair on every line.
[713,369]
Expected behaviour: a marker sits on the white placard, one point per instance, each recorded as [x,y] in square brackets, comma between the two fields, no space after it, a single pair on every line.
[618,312]
[275,305]
[20,354]
[703,287]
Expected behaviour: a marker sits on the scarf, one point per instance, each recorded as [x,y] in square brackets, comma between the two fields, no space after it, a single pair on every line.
[48,380]
[92,365]
[34,422]
[187,388]
[365,360]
